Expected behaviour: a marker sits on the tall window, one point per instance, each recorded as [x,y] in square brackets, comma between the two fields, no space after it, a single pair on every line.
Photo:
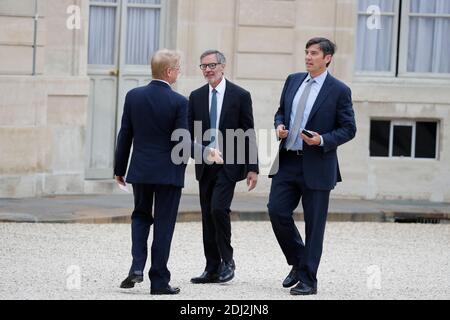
[429,36]
[142,30]
[102,31]
[401,37]
[137,23]
[376,39]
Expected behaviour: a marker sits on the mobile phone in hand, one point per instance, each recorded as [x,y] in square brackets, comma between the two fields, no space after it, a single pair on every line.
[307,133]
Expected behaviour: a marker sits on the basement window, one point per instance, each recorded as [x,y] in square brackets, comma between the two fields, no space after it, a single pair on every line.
[404,139]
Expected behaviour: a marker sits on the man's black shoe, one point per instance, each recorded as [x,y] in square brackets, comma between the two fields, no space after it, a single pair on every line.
[292,278]
[130,281]
[303,290]
[227,271]
[206,277]
[166,290]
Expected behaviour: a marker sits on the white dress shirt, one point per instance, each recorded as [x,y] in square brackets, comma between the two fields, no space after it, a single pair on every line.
[219,95]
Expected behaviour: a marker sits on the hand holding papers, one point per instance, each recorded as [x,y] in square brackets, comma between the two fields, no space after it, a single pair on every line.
[121,183]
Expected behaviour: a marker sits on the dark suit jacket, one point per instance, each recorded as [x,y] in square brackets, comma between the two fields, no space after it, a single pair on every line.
[150,115]
[332,117]
[236,114]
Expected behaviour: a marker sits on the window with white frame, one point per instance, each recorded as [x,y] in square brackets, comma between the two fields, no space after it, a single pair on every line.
[404,138]
[403,37]
[376,36]
[103,21]
[139,22]
[143,30]
[428,36]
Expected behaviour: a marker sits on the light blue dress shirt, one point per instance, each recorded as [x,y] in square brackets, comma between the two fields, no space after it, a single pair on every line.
[315,89]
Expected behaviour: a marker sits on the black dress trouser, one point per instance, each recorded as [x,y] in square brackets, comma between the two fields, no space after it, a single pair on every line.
[216,194]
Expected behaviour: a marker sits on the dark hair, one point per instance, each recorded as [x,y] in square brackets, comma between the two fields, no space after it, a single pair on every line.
[327,46]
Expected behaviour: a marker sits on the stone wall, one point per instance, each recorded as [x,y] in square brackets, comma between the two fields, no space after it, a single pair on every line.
[264,41]
[42,116]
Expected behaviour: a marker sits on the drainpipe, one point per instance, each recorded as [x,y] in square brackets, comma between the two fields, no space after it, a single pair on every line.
[36,17]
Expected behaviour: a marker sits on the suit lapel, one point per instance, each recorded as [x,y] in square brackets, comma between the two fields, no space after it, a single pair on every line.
[225,104]
[323,93]
[205,107]
[290,97]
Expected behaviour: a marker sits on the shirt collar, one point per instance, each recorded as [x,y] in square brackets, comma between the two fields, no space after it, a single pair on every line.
[162,81]
[320,78]
[220,87]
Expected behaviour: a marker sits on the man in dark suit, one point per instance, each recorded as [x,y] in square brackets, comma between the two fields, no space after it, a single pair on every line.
[150,116]
[214,110]
[308,166]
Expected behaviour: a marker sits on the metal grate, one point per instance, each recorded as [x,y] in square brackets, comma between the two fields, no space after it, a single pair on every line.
[422,220]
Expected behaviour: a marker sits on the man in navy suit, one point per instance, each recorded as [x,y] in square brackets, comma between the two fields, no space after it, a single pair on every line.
[150,116]
[307,163]
[218,108]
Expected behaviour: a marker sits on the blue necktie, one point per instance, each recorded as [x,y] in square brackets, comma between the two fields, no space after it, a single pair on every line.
[213,117]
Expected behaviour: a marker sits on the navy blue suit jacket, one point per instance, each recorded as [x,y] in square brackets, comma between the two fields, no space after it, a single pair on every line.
[150,115]
[332,116]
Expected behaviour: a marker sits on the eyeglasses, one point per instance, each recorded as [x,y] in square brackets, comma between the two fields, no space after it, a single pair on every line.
[211,66]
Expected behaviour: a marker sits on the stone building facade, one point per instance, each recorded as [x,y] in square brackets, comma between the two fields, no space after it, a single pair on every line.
[65,66]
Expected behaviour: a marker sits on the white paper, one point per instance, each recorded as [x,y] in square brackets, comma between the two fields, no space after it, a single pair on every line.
[123,188]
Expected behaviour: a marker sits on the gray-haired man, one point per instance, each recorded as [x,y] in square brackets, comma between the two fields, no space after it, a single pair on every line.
[219,106]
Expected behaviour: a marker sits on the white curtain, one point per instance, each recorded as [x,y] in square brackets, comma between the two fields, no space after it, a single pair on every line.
[374,46]
[429,38]
[143,26]
[102,24]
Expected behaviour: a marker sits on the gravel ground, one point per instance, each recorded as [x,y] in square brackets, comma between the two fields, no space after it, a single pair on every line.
[360,261]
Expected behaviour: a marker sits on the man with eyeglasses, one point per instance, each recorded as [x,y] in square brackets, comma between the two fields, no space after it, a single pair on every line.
[219,106]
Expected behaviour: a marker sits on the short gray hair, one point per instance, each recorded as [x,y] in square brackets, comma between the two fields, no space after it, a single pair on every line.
[219,55]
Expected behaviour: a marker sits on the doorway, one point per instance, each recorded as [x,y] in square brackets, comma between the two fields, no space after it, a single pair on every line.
[123,34]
